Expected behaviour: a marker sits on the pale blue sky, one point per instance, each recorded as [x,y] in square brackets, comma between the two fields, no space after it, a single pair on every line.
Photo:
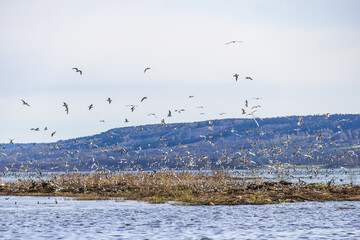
[304,57]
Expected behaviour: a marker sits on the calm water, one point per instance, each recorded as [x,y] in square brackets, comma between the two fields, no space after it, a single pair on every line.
[338,176]
[71,219]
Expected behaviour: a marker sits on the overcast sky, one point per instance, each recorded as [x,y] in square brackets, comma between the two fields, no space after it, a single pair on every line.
[303,56]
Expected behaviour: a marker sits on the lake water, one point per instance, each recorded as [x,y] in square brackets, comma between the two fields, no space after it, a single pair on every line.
[43,218]
[338,176]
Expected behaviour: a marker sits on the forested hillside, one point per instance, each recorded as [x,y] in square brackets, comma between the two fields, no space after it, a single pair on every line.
[227,143]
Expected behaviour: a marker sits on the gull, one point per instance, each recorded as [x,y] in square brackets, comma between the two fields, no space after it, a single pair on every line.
[25,103]
[191,96]
[109,100]
[256,121]
[249,78]
[152,114]
[234,41]
[222,113]
[66,107]
[327,116]
[45,129]
[236,76]
[163,122]
[257,98]
[102,121]
[246,103]
[91,106]
[126,120]
[257,106]
[77,70]
[146,69]
[181,110]
[243,111]
[53,133]
[300,121]
[132,107]
[200,107]
[35,129]
[143,99]
[12,141]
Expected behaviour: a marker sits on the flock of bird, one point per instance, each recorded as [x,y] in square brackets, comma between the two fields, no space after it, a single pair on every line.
[133,107]
[179,155]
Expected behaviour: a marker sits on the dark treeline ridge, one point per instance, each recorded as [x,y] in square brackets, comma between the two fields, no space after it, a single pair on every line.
[330,141]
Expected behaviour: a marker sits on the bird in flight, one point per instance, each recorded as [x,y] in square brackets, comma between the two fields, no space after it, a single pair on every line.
[66,107]
[53,133]
[249,78]
[246,103]
[91,106]
[35,129]
[169,114]
[146,69]
[77,70]
[191,96]
[25,103]
[234,41]
[243,111]
[152,114]
[132,107]
[126,120]
[143,99]
[109,100]
[236,76]
[300,121]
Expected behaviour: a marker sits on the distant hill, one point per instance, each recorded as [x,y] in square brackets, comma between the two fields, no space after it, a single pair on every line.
[319,140]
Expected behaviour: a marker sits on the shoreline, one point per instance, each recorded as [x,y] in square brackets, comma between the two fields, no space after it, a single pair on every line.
[182,188]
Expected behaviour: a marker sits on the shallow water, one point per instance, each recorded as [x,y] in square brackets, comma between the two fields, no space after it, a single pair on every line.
[338,176]
[43,218]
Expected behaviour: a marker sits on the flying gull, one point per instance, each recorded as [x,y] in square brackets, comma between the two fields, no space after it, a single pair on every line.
[77,70]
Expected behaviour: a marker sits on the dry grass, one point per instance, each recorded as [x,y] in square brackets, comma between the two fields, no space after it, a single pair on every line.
[193,188]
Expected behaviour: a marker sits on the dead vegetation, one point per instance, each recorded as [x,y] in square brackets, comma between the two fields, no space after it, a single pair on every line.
[216,188]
